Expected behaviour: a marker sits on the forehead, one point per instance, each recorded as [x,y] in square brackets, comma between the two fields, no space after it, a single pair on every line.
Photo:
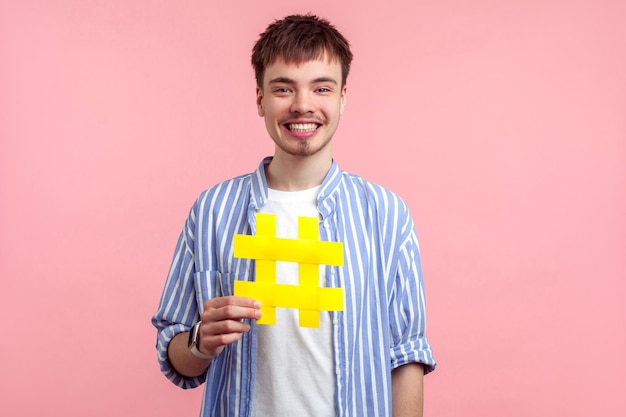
[303,70]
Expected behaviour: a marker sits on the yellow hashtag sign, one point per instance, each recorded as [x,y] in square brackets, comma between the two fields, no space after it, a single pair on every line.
[308,252]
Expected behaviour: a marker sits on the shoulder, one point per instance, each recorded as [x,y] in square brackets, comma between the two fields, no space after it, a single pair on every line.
[375,193]
[223,195]
[226,189]
[384,208]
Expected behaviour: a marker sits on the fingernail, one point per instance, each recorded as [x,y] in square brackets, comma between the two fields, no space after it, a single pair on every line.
[257,305]
[258,315]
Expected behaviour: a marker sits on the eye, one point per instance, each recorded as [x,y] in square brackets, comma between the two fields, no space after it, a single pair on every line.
[324,90]
[282,90]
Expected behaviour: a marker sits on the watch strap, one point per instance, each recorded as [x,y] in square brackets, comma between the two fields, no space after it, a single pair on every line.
[198,354]
[193,342]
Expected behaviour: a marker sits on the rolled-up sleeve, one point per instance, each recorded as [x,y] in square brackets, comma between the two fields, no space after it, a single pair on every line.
[408,310]
[178,309]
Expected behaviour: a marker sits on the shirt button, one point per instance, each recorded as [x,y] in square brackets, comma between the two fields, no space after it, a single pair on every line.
[337,371]
[335,322]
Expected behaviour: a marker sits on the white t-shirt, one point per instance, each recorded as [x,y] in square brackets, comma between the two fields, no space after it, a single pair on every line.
[295,367]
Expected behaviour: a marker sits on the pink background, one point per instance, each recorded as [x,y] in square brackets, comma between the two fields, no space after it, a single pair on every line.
[501,123]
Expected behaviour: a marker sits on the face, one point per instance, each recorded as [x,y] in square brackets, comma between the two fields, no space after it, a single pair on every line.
[302,105]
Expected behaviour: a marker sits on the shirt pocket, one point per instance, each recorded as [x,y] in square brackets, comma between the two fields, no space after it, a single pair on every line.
[212,284]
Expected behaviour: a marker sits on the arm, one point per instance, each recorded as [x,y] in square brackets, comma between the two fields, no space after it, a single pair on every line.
[407,390]
[183,360]
[221,324]
[411,355]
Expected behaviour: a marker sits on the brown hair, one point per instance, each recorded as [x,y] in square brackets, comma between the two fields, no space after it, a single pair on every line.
[300,38]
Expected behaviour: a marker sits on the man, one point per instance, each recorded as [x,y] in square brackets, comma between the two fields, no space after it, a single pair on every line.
[369,358]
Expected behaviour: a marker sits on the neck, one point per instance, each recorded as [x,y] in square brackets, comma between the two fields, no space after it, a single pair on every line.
[289,173]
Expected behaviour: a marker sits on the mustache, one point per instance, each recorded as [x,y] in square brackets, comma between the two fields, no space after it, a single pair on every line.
[308,118]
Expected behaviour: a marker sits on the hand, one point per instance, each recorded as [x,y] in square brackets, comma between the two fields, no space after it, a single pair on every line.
[222,322]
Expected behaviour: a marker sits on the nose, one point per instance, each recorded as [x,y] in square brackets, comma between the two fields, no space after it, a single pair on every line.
[302,103]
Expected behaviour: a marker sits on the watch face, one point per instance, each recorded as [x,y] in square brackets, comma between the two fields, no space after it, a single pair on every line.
[192,336]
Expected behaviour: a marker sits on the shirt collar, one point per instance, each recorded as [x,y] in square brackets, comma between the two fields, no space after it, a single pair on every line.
[326,199]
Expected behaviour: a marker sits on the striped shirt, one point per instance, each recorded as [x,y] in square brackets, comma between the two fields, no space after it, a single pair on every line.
[383,322]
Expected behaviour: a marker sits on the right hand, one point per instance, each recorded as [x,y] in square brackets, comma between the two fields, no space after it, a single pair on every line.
[222,322]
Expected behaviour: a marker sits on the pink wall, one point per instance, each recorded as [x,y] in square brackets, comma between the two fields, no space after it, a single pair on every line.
[502,124]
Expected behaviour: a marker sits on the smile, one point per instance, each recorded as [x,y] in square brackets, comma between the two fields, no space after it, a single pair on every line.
[302,127]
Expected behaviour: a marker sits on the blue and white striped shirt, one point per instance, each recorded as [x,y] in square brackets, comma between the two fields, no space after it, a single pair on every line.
[383,322]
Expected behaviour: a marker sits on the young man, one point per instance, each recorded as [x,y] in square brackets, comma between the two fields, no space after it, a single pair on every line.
[369,358]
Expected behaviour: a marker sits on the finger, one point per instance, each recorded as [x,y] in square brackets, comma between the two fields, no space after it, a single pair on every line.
[232,300]
[225,327]
[231,308]
[214,344]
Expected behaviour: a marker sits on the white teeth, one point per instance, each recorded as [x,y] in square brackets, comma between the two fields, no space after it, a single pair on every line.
[302,127]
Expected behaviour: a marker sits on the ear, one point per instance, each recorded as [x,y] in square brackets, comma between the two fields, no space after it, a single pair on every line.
[344,92]
[259,102]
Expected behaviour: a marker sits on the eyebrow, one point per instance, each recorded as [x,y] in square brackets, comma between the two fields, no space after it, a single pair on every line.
[285,80]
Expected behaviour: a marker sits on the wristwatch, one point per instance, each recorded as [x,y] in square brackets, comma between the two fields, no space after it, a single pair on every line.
[193,342]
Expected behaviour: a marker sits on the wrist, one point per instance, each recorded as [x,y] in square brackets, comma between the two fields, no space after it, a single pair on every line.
[194,340]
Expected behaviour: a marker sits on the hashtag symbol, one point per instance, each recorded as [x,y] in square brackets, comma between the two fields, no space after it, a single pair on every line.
[308,252]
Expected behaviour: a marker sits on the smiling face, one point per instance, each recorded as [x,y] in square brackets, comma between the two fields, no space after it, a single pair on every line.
[302,104]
